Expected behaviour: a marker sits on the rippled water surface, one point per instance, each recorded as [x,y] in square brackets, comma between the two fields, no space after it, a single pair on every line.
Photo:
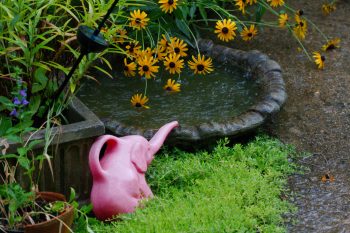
[223,94]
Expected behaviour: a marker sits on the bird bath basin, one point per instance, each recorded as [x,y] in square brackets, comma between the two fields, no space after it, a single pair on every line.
[242,92]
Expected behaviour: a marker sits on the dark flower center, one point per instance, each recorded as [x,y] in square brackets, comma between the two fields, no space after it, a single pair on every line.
[224,30]
[171,2]
[126,68]
[169,89]
[200,67]
[301,24]
[138,105]
[300,12]
[138,20]
[145,68]
[176,50]
[171,64]
[323,58]
[250,34]
[331,46]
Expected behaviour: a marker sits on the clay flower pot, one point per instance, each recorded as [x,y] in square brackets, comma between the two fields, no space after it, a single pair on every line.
[55,225]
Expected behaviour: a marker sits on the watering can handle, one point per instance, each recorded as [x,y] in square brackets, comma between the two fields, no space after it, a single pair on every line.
[94,156]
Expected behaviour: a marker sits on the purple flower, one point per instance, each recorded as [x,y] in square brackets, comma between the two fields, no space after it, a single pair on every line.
[23,93]
[25,102]
[14,113]
[16,101]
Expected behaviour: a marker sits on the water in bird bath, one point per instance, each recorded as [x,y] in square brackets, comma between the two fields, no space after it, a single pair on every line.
[223,94]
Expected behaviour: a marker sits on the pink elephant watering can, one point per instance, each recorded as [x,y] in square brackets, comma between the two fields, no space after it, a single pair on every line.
[119,177]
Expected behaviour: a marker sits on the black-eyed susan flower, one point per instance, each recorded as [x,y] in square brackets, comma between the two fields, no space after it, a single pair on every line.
[120,36]
[164,42]
[147,66]
[249,33]
[282,20]
[168,5]
[300,28]
[251,2]
[331,44]
[132,48]
[139,100]
[241,4]
[172,86]
[144,52]
[178,46]
[225,29]
[299,12]
[319,59]
[201,65]
[129,68]
[276,3]
[173,63]
[158,53]
[328,8]
[138,19]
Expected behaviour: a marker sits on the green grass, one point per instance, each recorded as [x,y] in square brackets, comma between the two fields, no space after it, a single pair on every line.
[235,189]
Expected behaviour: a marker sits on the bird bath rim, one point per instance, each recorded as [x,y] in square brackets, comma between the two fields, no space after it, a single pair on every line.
[267,71]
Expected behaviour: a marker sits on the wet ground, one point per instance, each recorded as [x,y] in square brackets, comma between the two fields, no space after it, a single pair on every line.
[316,117]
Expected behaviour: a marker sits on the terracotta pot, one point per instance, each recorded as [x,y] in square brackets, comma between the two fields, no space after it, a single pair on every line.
[53,225]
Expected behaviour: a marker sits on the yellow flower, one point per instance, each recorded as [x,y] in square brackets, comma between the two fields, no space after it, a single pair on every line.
[147,67]
[144,53]
[226,29]
[173,63]
[158,53]
[132,48]
[276,3]
[251,2]
[299,12]
[300,28]
[138,100]
[283,19]
[138,19]
[248,34]
[328,8]
[331,44]
[319,59]
[168,5]
[120,36]
[241,5]
[164,42]
[201,65]
[172,86]
[177,46]
[129,68]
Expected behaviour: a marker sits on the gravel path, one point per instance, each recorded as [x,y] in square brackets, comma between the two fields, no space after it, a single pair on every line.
[316,117]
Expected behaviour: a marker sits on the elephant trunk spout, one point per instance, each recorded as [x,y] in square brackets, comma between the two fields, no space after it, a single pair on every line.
[158,139]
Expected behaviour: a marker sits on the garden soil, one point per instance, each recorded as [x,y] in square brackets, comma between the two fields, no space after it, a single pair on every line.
[316,116]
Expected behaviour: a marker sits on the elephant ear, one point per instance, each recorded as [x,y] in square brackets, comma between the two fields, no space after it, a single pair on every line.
[138,158]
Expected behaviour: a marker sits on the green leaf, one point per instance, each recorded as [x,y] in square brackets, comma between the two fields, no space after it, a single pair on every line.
[193,10]
[5,124]
[72,195]
[40,80]
[183,27]
[34,103]
[24,162]
[203,14]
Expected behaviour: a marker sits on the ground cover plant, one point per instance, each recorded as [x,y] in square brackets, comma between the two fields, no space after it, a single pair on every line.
[231,189]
